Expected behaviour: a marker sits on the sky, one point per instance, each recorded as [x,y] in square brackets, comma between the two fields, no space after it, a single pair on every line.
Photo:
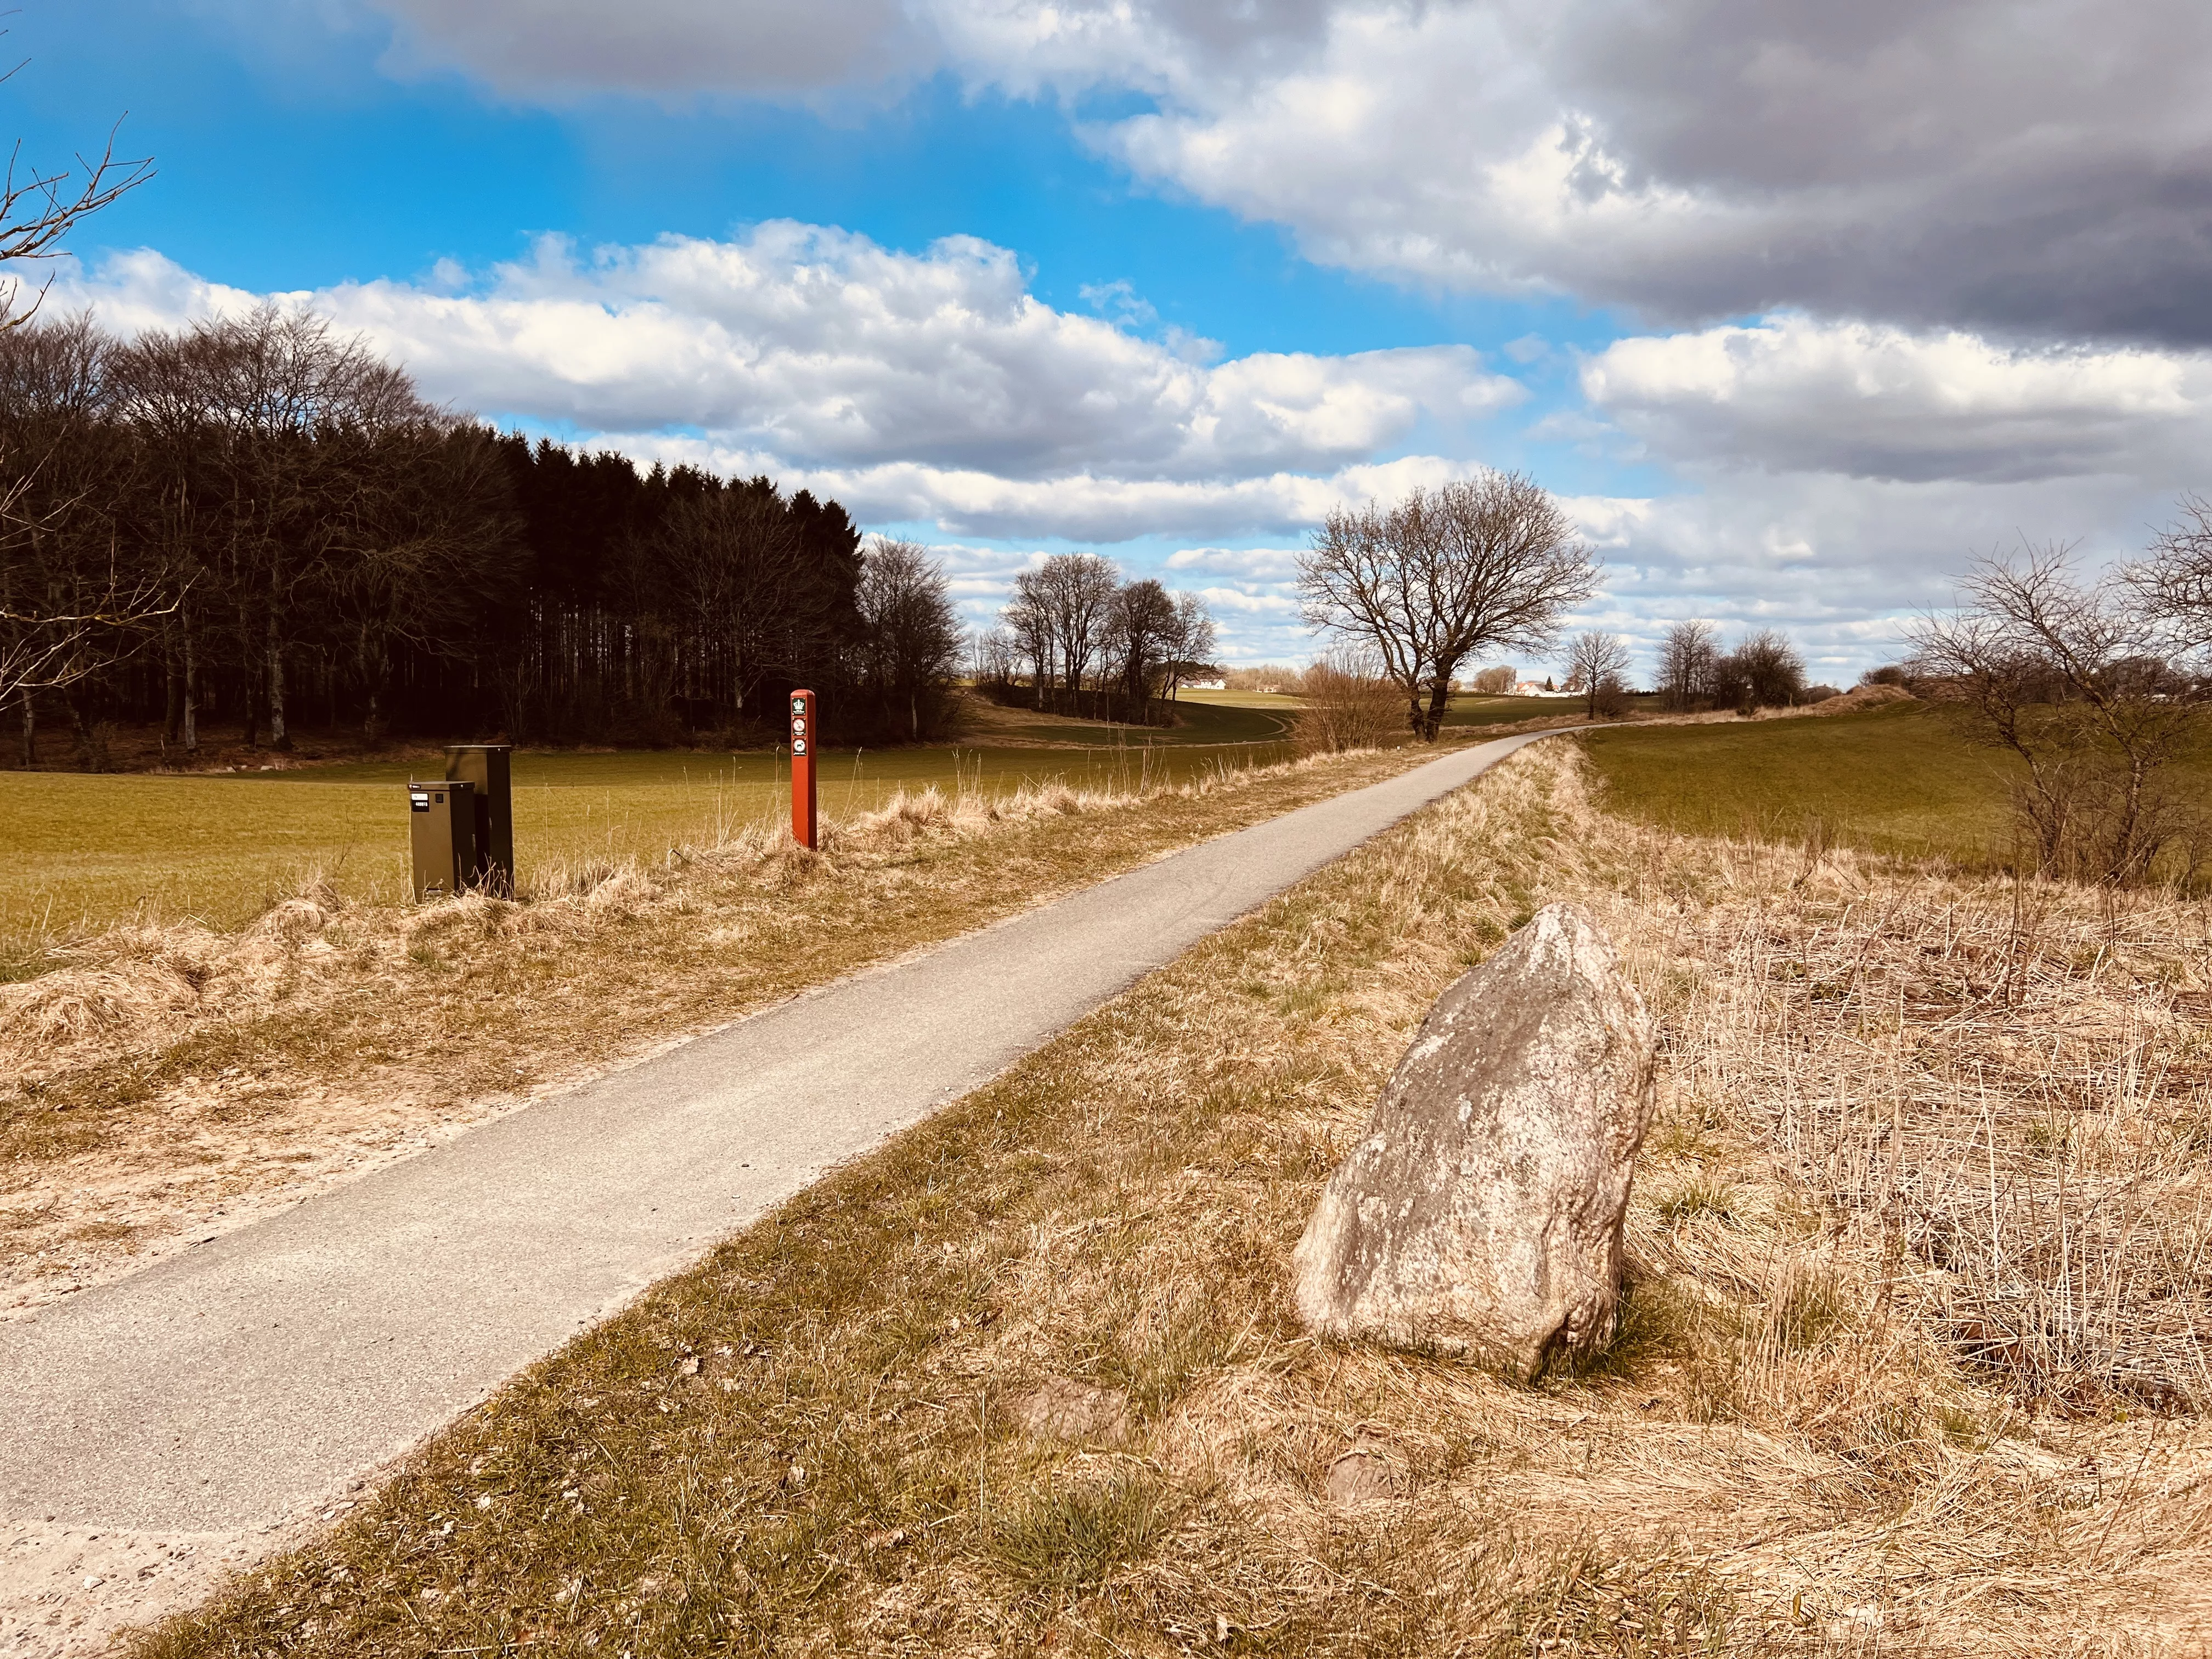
[1797,307]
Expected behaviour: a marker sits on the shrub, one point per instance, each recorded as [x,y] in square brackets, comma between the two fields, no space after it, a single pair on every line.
[1346,706]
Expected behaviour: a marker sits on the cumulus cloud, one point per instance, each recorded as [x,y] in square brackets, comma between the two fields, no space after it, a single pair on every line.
[1250,564]
[1842,563]
[1833,471]
[827,350]
[1841,473]
[1869,401]
[1080,507]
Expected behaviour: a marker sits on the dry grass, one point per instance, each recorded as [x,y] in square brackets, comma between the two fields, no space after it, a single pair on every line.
[1997,1091]
[814,1442]
[163,1082]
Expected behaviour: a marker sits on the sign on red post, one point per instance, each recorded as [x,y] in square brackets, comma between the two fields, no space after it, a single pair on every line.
[802,767]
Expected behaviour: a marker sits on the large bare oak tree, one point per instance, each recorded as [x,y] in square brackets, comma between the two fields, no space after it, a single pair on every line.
[1491,563]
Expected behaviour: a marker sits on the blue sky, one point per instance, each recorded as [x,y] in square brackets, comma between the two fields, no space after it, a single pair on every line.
[1213,267]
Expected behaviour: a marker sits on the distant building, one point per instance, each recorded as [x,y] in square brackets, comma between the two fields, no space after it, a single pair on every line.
[1536,688]
[1205,685]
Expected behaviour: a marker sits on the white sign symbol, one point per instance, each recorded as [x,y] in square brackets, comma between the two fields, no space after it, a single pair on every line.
[798,746]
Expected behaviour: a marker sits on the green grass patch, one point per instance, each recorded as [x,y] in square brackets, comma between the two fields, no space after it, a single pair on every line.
[80,851]
[1894,780]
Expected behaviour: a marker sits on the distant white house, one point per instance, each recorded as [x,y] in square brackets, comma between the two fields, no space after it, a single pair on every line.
[1205,685]
[1535,689]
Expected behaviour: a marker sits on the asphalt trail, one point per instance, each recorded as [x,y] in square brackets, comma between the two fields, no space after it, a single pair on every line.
[255,1376]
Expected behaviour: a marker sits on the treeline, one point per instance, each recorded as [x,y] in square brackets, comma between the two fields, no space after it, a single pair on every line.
[1765,671]
[259,523]
[1077,640]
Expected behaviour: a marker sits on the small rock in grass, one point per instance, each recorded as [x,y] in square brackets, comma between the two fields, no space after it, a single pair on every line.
[1060,1408]
[1361,1476]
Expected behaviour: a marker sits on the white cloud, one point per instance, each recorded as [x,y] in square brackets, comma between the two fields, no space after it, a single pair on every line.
[1251,564]
[1082,507]
[1795,394]
[826,350]
[1833,472]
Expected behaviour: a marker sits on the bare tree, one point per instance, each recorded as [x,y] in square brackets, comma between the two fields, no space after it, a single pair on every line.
[1497,681]
[992,657]
[2174,585]
[1769,670]
[1196,638]
[1596,662]
[1079,590]
[51,649]
[250,410]
[1423,585]
[77,594]
[2072,677]
[1688,651]
[1143,632]
[912,636]
[1028,617]
[38,209]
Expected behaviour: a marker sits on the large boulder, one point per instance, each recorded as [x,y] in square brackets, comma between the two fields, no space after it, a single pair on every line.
[1481,1213]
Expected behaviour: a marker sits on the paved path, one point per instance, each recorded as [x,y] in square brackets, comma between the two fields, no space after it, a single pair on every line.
[236,1385]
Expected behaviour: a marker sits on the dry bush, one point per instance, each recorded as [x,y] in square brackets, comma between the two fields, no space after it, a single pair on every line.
[1346,705]
[1999,1094]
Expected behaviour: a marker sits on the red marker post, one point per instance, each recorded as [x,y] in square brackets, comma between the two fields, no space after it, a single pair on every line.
[802,769]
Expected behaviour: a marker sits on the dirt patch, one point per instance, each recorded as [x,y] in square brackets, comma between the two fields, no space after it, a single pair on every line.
[68,1592]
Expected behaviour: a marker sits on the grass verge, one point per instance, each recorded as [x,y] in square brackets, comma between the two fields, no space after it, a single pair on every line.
[1027,1380]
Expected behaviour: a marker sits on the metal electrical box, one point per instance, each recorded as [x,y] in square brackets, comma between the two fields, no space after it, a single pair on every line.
[486,766]
[441,816]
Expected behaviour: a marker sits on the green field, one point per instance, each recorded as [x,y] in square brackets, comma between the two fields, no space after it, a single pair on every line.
[1896,780]
[82,850]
